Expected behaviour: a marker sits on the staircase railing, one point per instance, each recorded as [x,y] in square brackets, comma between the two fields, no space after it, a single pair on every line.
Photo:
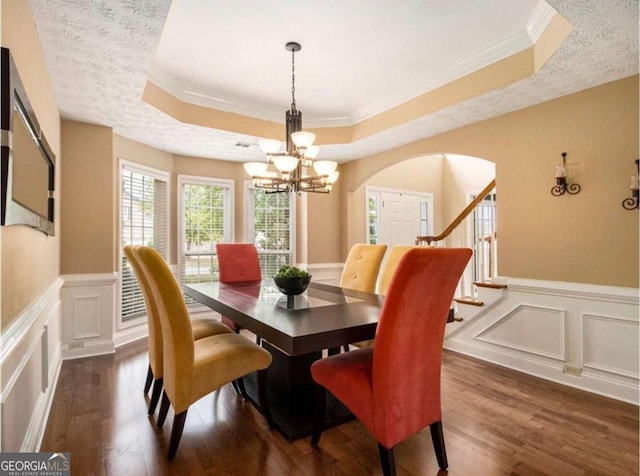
[428,239]
[482,266]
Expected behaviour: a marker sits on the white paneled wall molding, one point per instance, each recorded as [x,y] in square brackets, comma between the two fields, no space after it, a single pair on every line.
[325,273]
[88,313]
[584,336]
[30,358]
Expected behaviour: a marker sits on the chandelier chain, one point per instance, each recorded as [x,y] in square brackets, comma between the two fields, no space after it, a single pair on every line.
[293,79]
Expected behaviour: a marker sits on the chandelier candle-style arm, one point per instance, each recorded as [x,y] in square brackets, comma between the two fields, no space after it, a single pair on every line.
[299,153]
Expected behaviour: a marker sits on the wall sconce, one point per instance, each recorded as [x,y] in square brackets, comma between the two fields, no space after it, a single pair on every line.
[632,203]
[561,185]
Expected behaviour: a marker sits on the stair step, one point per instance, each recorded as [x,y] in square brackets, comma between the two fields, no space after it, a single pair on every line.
[481,284]
[469,300]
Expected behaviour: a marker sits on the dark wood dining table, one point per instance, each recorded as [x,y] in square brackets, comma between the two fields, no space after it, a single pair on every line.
[295,330]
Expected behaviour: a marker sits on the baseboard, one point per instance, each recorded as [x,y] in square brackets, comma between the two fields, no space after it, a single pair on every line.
[87,349]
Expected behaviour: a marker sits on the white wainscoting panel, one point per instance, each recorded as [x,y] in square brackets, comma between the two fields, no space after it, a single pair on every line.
[88,313]
[29,364]
[87,317]
[539,331]
[584,336]
[610,344]
[325,273]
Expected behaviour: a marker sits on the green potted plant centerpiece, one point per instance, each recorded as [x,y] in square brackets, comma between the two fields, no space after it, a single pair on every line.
[291,280]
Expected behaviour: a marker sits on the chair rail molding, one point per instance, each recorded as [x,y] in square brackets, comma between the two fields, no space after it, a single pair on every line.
[581,335]
[30,360]
[88,313]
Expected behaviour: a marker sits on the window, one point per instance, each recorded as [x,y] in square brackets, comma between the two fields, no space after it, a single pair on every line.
[484,239]
[373,215]
[143,199]
[270,226]
[206,218]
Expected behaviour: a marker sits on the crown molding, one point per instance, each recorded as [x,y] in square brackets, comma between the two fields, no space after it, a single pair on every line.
[539,20]
[199,98]
[499,51]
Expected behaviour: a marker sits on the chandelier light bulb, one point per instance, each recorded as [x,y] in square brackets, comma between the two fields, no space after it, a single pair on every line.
[270,146]
[333,176]
[303,139]
[285,163]
[311,152]
[325,167]
[256,168]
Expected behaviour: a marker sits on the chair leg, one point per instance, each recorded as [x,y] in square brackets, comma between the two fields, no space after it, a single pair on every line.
[176,433]
[155,395]
[147,383]
[263,397]
[437,436]
[234,384]
[320,404]
[164,409]
[387,461]
[241,389]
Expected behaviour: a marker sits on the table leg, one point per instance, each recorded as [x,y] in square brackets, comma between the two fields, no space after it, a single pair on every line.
[291,394]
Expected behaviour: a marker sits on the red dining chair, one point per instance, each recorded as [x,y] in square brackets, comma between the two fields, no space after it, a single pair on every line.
[393,388]
[237,263]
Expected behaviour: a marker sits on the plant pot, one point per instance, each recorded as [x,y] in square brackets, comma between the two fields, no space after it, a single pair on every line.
[291,286]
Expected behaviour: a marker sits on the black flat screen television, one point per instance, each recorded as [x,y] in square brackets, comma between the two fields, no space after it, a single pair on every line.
[28,164]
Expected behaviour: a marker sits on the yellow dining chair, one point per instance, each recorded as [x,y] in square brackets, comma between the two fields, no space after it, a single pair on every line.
[390,266]
[360,271]
[200,328]
[362,266]
[395,254]
[195,368]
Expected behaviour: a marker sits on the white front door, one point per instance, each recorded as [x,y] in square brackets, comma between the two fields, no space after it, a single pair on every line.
[400,215]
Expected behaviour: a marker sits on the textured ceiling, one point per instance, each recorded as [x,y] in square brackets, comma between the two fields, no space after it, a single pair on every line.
[100,54]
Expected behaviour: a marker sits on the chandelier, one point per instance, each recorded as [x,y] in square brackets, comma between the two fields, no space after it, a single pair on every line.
[298,156]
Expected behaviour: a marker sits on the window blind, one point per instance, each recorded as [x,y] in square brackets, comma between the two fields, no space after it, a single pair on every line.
[206,218]
[144,222]
[270,227]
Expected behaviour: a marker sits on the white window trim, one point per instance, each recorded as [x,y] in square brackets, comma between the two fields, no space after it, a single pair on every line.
[157,174]
[200,180]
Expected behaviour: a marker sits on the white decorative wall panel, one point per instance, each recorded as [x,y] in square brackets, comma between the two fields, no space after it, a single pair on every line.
[29,365]
[585,336]
[88,312]
[532,329]
[86,317]
[611,344]
[325,273]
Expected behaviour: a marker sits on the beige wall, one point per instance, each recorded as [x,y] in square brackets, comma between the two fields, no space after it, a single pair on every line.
[30,259]
[323,226]
[88,200]
[586,238]
[461,175]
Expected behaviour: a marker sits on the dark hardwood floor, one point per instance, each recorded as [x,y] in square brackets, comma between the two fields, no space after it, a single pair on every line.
[496,422]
